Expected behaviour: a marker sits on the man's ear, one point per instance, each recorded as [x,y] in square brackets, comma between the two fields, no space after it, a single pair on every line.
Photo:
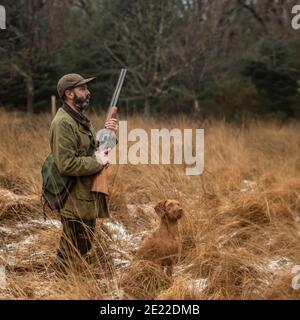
[69,93]
[160,208]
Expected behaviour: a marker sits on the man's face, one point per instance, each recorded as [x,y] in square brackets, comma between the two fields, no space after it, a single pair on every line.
[81,97]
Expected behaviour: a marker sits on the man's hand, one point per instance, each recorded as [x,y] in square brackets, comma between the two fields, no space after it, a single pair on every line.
[112,124]
[102,157]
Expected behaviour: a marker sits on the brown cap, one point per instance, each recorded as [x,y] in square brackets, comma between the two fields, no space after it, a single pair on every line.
[71,80]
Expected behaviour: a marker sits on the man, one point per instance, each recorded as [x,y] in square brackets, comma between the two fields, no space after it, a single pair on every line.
[72,141]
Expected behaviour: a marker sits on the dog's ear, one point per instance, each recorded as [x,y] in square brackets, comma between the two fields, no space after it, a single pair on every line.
[160,208]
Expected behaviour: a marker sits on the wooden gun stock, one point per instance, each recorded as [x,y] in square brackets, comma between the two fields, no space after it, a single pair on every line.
[99,183]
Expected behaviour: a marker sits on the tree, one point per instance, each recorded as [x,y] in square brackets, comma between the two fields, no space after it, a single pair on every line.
[274,73]
[34,34]
[143,31]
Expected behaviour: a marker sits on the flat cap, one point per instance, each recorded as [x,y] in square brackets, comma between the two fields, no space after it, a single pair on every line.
[71,80]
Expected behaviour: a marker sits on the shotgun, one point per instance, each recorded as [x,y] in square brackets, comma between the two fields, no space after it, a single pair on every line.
[107,138]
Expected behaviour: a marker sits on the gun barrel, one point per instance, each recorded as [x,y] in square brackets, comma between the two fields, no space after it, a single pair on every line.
[118,88]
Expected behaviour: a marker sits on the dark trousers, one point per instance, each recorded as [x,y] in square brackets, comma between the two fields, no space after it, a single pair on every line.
[76,239]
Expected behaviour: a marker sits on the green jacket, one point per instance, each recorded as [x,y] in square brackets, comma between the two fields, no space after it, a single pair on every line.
[69,142]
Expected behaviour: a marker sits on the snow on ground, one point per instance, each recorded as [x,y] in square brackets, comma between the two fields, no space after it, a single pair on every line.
[248,186]
[6,230]
[48,222]
[128,242]
[197,284]
[22,244]
[121,262]
[279,264]
[24,237]
[23,226]
[119,231]
[124,243]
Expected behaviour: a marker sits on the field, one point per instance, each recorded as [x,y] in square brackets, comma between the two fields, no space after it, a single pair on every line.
[240,232]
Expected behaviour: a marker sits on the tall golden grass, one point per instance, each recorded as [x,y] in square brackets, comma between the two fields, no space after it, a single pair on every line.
[240,233]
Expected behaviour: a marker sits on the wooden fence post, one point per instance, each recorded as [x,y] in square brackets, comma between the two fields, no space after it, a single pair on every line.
[53,106]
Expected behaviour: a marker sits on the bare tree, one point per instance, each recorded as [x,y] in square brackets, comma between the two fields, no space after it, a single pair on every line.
[34,33]
[144,35]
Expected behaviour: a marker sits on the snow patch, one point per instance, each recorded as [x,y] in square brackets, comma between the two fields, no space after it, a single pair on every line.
[248,186]
[119,232]
[197,284]
[121,262]
[22,244]
[49,222]
[6,230]
[282,263]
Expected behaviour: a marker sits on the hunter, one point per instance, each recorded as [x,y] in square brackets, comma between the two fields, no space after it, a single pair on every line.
[73,145]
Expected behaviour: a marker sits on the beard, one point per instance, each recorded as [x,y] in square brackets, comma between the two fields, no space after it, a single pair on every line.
[81,103]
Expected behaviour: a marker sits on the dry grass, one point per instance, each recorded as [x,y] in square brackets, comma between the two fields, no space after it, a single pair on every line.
[240,234]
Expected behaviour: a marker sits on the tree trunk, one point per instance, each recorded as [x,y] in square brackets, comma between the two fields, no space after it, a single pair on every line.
[196,105]
[31,23]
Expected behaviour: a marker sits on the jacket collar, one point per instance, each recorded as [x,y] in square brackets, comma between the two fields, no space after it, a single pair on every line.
[77,116]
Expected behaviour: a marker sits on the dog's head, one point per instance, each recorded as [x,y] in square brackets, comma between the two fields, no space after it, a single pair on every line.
[169,209]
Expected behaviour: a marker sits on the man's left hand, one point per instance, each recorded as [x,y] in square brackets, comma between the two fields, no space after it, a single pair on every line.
[112,124]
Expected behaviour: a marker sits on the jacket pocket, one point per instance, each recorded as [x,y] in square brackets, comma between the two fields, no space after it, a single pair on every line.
[83,188]
[83,208]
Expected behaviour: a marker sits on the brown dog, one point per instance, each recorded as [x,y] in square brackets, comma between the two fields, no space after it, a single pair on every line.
[163,245]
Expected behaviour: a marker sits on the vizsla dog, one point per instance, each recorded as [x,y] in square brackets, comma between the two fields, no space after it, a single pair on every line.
[163,245]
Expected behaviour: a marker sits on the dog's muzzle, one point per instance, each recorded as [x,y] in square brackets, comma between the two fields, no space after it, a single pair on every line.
[179,213]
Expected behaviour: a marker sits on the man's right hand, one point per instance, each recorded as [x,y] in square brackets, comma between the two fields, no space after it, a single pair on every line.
[102,157]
